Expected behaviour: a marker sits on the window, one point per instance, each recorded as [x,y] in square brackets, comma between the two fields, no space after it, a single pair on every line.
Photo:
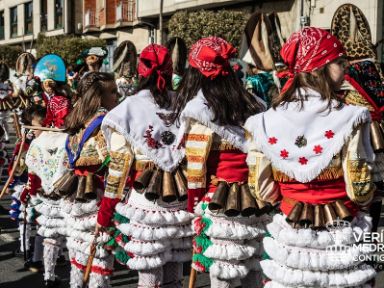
[2,25]
[59,4]
[28,18]
[13,21]
[43,16]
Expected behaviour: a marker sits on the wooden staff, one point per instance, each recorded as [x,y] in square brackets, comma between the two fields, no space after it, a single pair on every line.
[43,128]
[25,228]
[90,261]
[17,125]
[192,278]
[15,164]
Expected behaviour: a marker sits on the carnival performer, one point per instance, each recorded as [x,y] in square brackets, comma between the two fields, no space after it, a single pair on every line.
[363,86]
[32,116]
[91,60]
[154,230]
[82,186]
[228,231]
[313,153]
[179,52]
[124,64]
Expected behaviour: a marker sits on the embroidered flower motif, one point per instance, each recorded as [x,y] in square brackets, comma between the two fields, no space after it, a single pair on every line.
[272,140]
[301,141]
[303,161]
[151,142]
[284,154]
[329,134]
[318,149]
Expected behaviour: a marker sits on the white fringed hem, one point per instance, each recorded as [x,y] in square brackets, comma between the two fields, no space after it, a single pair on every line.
[84,223]
[87,236]
[77,209]
[310,258]
[85,247]
[52,211]
[230,250]
[339,278]
[149,248]
[284,233]
[47,232]
[273,284]
[154,216]
[227,270]
[150,233]
[103,263]
[52,223]
[145,263]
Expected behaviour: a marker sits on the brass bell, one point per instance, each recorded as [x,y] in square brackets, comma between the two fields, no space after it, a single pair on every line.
[248,203]
[169,189]
[60,182]
[330,214]
[319,222]
[263,207]
[233,205]
[219,198]
[377,137]
[90,191]
[153,190]
[68,186]
[341,211]
[81,189]
[181,185]
[306,217]
[294,215]
[142,181]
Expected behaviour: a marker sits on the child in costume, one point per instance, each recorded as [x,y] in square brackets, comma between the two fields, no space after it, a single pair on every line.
[83,185]
[312,152]
[229,223]
[153,229]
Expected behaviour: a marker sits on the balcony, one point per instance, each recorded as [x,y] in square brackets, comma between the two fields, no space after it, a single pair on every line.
[125,12]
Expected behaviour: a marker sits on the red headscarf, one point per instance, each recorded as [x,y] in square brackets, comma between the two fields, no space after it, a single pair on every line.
[159,61]
[309,49]
[211,56]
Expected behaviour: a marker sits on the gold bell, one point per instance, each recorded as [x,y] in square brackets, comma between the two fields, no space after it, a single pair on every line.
[168,191]
[60,182]
[306,217]
[142,181]
[90,191]
[233,205]
[248,203]
[219,198]
[294,215]
[341,211]
[377,135]
[153,191]
[330,214]
[263,207]
[319,222]
[181,185]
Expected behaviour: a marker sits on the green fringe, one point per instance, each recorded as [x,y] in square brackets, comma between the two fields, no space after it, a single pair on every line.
[207,222]
[120,218]
[203,241]
[265,256]
[204,206]
[121,256]
[205,261]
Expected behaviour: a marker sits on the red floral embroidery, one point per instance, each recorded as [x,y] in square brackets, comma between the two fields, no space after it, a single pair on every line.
[318,149]
[303,161]
[272,140]
[284,154]
[151,142]
[329,134]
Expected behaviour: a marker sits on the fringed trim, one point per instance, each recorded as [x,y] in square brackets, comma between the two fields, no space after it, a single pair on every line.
[150,233]
[77,209]
[121,256]
[49,211]
[201,224]
[201,263]
[85,247]
[228,270]
[52,223]
[339,278]
[141,248]
[230,250]
[119,219]
[156,216]
[47,232]
[311,259]
[284,233]
[88,236]
[85,223]
[145,263]
[104,263]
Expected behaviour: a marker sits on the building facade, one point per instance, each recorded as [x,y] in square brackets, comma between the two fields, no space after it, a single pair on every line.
[21,21]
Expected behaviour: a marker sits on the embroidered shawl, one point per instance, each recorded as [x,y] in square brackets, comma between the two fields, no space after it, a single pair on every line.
[302,142]
[144,125]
